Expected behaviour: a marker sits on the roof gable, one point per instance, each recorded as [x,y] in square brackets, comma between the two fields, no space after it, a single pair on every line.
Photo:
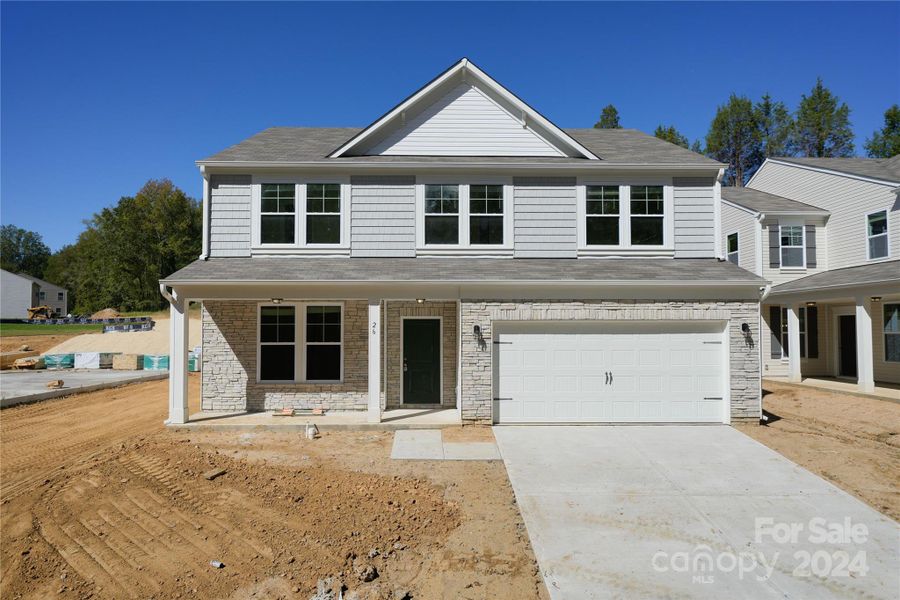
[463,112]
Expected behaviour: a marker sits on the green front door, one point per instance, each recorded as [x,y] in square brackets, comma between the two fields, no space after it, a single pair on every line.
[421,361]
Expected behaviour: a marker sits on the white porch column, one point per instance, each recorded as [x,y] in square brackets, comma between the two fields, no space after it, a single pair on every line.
[374,326]
[178,355]
[865,366]
[793,323]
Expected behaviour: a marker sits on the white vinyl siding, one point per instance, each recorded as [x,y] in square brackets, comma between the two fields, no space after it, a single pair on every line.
[735,220]
[383,216]
[848,200]
[545,217]
[694,217]
[229,215]
[732,248]
[465,122]
[782,275]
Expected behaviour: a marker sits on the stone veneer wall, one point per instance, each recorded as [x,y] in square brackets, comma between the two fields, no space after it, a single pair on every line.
[229,364]
[477,374]
[398,309]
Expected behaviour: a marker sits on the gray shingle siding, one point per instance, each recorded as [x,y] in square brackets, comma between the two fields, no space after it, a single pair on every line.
[383,216]
[695,217]
[229,215]
[545,217]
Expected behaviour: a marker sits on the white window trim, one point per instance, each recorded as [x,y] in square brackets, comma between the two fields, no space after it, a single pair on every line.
[624,247]
[802,246]
[737,235]
[299,344]
[886,234]
[884,356]
[464,246]
[299,246]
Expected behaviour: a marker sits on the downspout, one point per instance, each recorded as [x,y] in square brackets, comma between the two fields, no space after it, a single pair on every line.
[717,211]
[170,296]
[204,250]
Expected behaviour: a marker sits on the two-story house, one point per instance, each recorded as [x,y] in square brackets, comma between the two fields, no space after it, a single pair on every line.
[826,233]
[464,252]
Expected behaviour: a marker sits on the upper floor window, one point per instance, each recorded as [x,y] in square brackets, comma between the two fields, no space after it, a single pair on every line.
[602,215]
[485,214]
[877,234]
[323,213]
[732,248]
[442,214]
[60,296]
[277,213]
[792,249]
[647,211]
[42,295]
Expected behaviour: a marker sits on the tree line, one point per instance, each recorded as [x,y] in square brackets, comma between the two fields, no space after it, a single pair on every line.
[125,249]
[743,133]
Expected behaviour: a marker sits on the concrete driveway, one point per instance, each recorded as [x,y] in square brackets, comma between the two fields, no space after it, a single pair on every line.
[693,512]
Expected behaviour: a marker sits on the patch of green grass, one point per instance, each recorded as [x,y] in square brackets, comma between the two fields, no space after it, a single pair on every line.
[11,329]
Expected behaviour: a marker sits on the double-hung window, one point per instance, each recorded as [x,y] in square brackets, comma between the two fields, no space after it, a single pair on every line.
[277,343]
[877,234]
[60,296]
[485,214]
[441,214]
[323,343]
[801,317]
[301,343]
[602,215]
[647,215]
[277,213]
[792,252]
[323,213]
[732,248]
[892,332]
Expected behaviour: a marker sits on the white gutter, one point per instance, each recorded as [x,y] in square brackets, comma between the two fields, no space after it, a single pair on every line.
[340,163]
[164,290]
[717,210]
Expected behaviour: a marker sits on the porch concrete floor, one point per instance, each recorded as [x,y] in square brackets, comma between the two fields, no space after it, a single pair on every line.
[429,444]
[400,418]
[883,391]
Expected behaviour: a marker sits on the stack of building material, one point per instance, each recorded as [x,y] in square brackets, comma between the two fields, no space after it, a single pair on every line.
[193,362]
[128,362]
[32,362]
[59,361]
[156,362]
[94,360]
[7,359]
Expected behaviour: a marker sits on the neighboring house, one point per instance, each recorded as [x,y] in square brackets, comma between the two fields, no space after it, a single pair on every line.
[826,233]
[49,294]
[464,252]
[17,293]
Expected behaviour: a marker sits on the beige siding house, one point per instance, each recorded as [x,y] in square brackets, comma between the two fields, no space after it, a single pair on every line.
[827,237]
[464,254]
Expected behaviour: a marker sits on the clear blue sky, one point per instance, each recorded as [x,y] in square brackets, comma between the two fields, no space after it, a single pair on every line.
[98,98]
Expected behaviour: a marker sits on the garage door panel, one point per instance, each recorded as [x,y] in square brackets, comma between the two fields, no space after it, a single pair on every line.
[558,373]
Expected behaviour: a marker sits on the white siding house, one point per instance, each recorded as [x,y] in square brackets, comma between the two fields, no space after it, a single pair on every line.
[17,295]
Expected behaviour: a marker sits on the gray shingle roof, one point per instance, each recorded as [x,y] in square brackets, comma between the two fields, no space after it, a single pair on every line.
[887,169]
[762,202]
[455,270]
[313,144]
[883,272]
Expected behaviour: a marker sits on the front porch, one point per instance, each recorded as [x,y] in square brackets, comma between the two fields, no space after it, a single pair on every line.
[848,338]
[358,361]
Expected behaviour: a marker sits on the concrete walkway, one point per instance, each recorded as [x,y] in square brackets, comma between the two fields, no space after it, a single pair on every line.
[429,444]
[22,387]
[690,511]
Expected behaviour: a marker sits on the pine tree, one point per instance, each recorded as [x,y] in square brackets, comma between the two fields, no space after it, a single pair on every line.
[734,139]
[609,118]
[671,135]
[886,143]
[822,127]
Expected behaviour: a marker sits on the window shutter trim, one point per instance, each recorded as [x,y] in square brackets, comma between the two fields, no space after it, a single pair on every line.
[810,236]
[774,247]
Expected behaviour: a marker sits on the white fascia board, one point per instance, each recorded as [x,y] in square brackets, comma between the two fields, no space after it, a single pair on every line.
[829,172]
[487,164]
[485,79]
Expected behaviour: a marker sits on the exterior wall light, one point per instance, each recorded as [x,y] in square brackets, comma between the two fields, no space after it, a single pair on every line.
[277,300]
[810,304]
[875,298]
[477,330]
[420,300]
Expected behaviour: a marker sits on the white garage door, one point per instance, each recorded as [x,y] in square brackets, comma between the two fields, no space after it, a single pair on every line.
[579,372]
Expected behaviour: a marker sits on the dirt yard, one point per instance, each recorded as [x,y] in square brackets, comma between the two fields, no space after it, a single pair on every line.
[852,441]
[41,343]
[99,500]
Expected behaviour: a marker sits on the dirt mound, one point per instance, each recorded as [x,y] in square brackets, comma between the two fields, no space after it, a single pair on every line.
[155,341]
[106,313]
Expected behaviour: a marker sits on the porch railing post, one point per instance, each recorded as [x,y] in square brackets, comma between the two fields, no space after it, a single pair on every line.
[865,367]
[793,323]
[374,327]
